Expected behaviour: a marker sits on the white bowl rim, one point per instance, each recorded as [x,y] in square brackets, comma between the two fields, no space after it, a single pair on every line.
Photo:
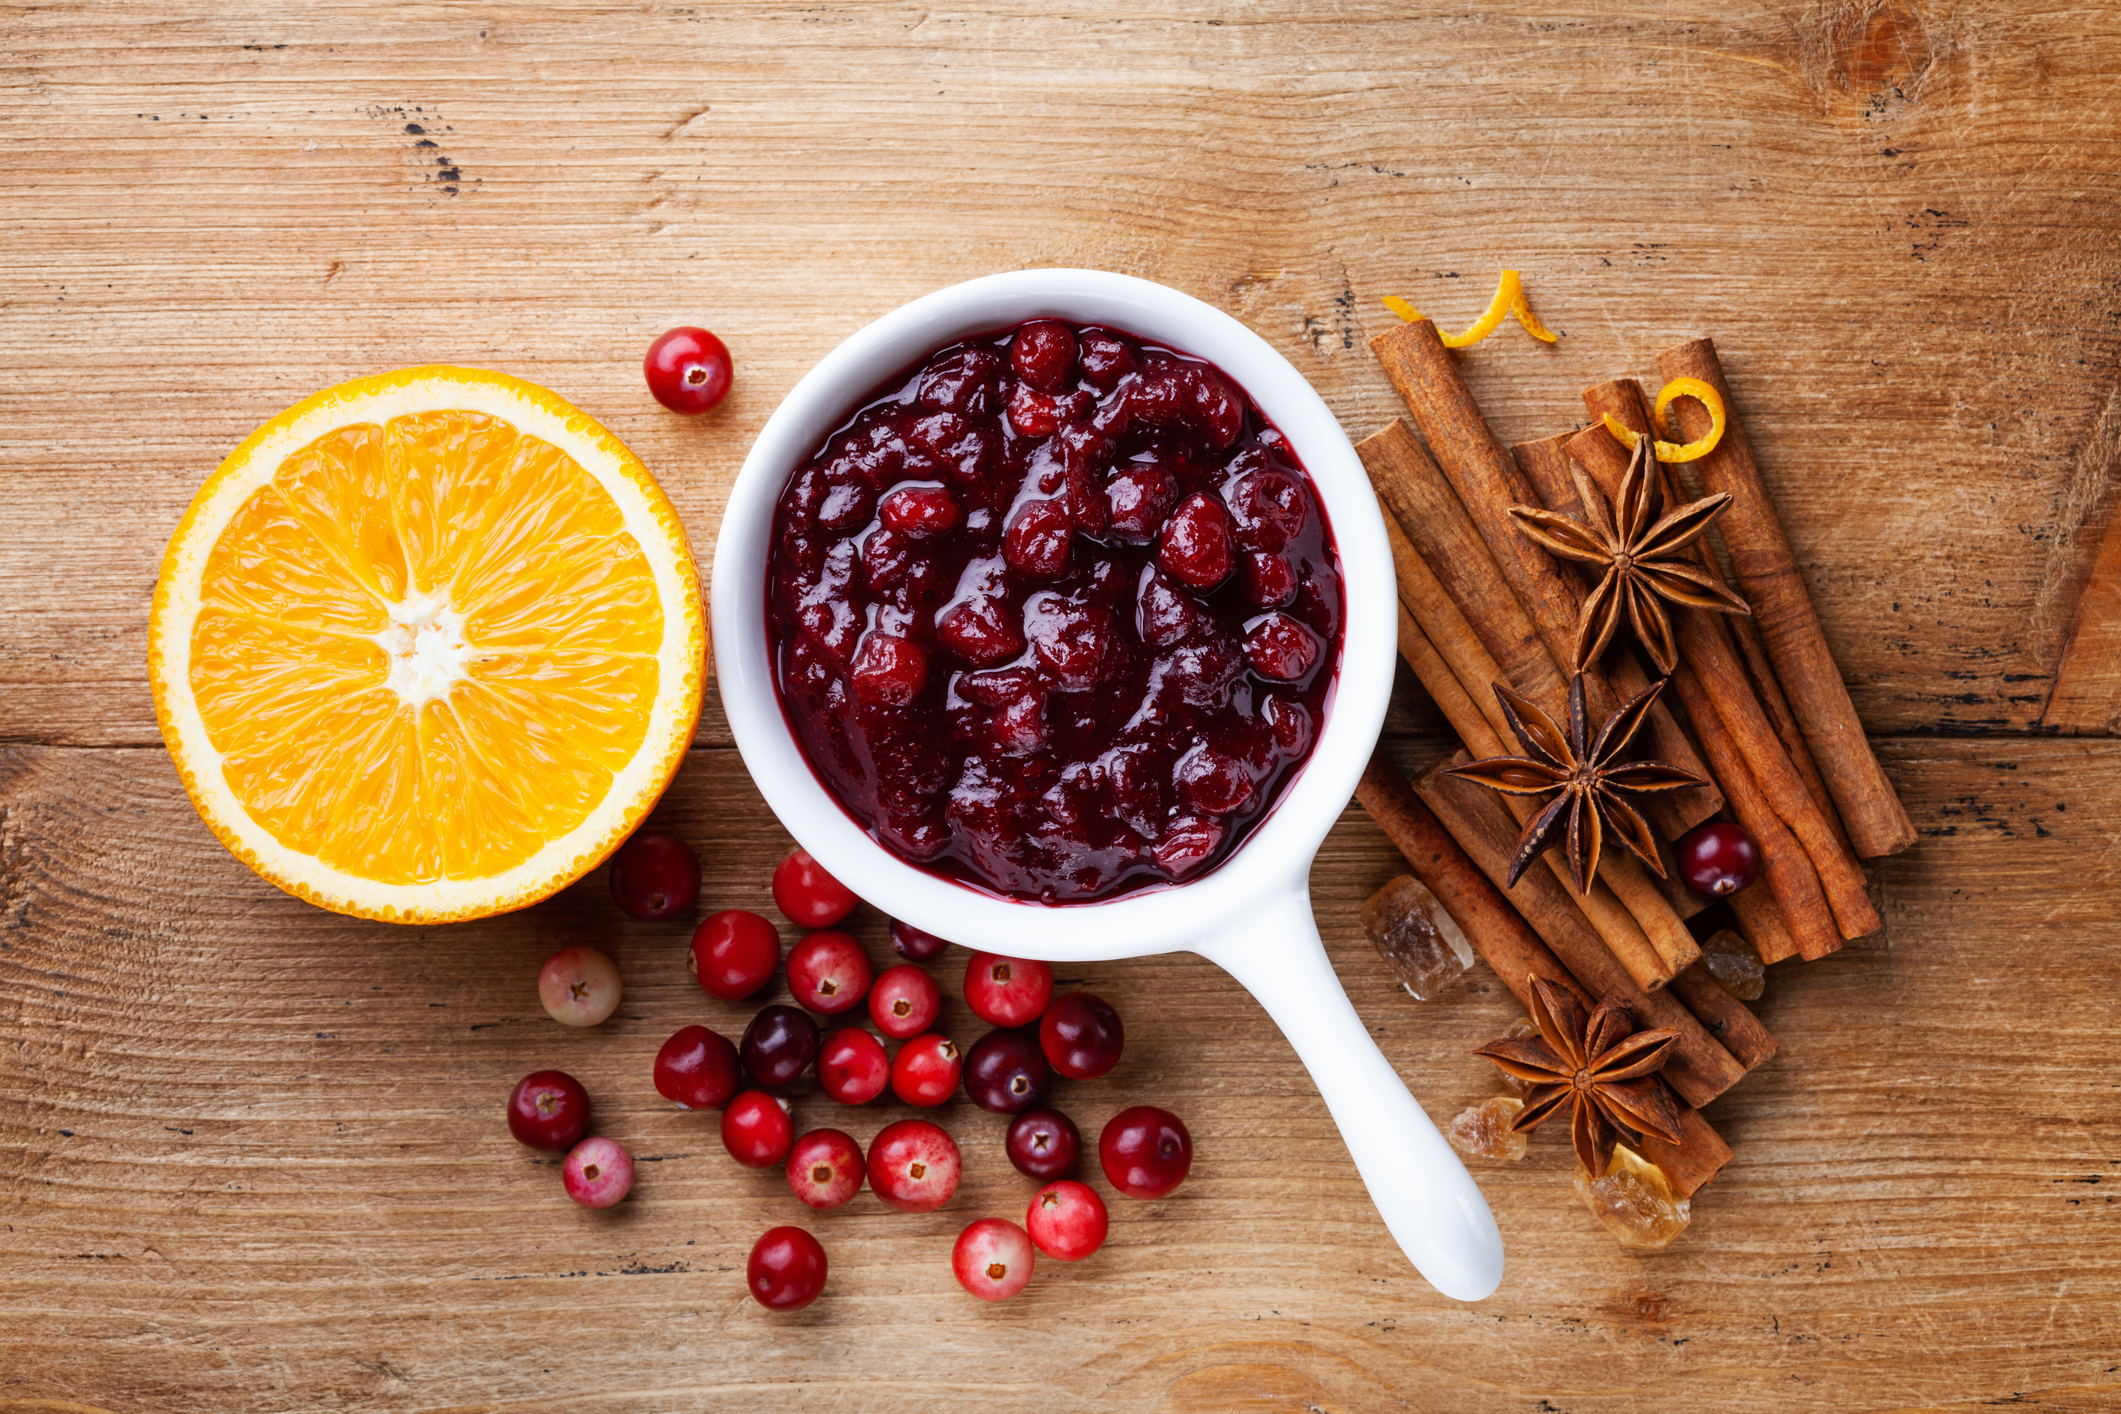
[1277,855]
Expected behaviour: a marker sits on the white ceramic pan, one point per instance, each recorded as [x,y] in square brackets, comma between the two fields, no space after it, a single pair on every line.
[1252,914]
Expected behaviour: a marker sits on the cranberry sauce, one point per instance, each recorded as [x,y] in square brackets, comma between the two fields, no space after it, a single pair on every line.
[1058,615]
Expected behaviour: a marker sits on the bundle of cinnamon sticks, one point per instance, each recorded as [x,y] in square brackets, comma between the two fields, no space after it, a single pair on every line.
[1756,706]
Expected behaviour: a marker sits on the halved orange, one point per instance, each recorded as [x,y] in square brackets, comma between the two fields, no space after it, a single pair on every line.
[428,646]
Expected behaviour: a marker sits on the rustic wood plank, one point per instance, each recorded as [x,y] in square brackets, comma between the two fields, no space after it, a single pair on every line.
[247,1148]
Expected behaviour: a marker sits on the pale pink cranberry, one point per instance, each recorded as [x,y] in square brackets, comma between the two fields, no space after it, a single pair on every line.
[1007,991]
[579,986]
[852,1067]
[992,1259]
[1067,1220]
[1195,548]
[1280,648]
[914,1166]
[926,1070]
[828,972]
[920,511]
[597,1172]
[904,1002]
[825,1168]
[1038,539]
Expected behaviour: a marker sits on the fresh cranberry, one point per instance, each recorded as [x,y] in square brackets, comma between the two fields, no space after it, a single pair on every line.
[920,511]
[912,944]
[1038,539]
[1718,859]
[829,973]
[925,1071]
[825,1168]
[852,1067]
[1081,1035]
[1044,1144]
[688,370]
[992,1259]
[914,1166]
[1067,1220]
[787,1269]
[1007,991]
[888,670]
[697,1069]
[756,1129]
[1195,548]
[597,1172]
[733,953]
[904,1002]
[654,876]
[579,986]
[809,896]
[779,1045]
[1145,1152]
[1043,355]
[1005,1073]
[1280,648]
[548,1110]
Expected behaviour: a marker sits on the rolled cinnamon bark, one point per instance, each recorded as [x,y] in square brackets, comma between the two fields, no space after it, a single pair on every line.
[1700,1068]
[1726,1018]
[1698,1156]
[1767,575]
[1760,923]
[1707,650]
[1491,924]
[1473,671]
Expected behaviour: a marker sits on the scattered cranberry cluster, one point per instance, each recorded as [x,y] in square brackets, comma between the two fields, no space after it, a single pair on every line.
[913,1164]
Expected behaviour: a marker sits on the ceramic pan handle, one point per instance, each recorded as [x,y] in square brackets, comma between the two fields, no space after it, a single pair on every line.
[1424,1193]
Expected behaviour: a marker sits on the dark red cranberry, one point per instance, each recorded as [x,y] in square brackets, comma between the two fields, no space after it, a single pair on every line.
[1081,1035]
[1139,500]
[1186,844]
[1105,358]
[1007,991]
[1164,612]
[981,630]
[756,1129]
[912,944]
[829,973]
[914,1166]
[787,1269]
[733,953]
[1218,409]
[920,511]
[852,1067]
[1038,540]
[992,1259]
[1044,1144]
[808,895]
[548,1110]
[1032,413]
[1270,580]
[1145,1152]
[1267,508]
[1195,548]
[654,876]
[688,370]
[964,381]
[1073,641]
[904,1001]
[1280,648]
[1718,859]
[779,1045]
[697,1069]
[888,670]
[1289,724]
[825,1168]
[1067,1220]
[1005,1072]
[1212,781]
[1043,355]
[925,1071]
[597,1173]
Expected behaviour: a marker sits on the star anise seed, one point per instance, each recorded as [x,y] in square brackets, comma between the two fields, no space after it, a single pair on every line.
[1642,562]
[1599,1065]
[1587,773]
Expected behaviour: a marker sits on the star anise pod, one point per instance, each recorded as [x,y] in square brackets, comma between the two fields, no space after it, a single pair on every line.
[1600,1066]
[1642,561]
[1587,773]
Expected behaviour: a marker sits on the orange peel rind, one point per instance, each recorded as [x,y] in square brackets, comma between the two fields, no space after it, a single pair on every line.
[1509,300]
[1668,451]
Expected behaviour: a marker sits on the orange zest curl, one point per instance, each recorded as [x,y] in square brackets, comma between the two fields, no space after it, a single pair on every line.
[1676,451]
[1509,300]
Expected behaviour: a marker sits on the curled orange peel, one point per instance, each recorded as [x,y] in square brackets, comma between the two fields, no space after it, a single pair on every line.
[1509,299]
[1693,388]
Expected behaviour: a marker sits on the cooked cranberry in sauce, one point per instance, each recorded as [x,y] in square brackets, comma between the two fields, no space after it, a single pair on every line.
[1057,615]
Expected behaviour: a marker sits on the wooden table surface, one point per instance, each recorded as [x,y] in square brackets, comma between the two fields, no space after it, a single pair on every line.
[250,1152]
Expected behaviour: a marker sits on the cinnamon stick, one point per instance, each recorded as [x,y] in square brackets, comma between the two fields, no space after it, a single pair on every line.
[1726,1018]
[1698,1156]
[1491,925]
[1707,650]
[1760,923]
[1767,575]
[1700,1068]
[1472,670]
[1488,483]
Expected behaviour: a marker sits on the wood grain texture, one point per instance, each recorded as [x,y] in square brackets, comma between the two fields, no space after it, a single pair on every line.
[249,1152]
